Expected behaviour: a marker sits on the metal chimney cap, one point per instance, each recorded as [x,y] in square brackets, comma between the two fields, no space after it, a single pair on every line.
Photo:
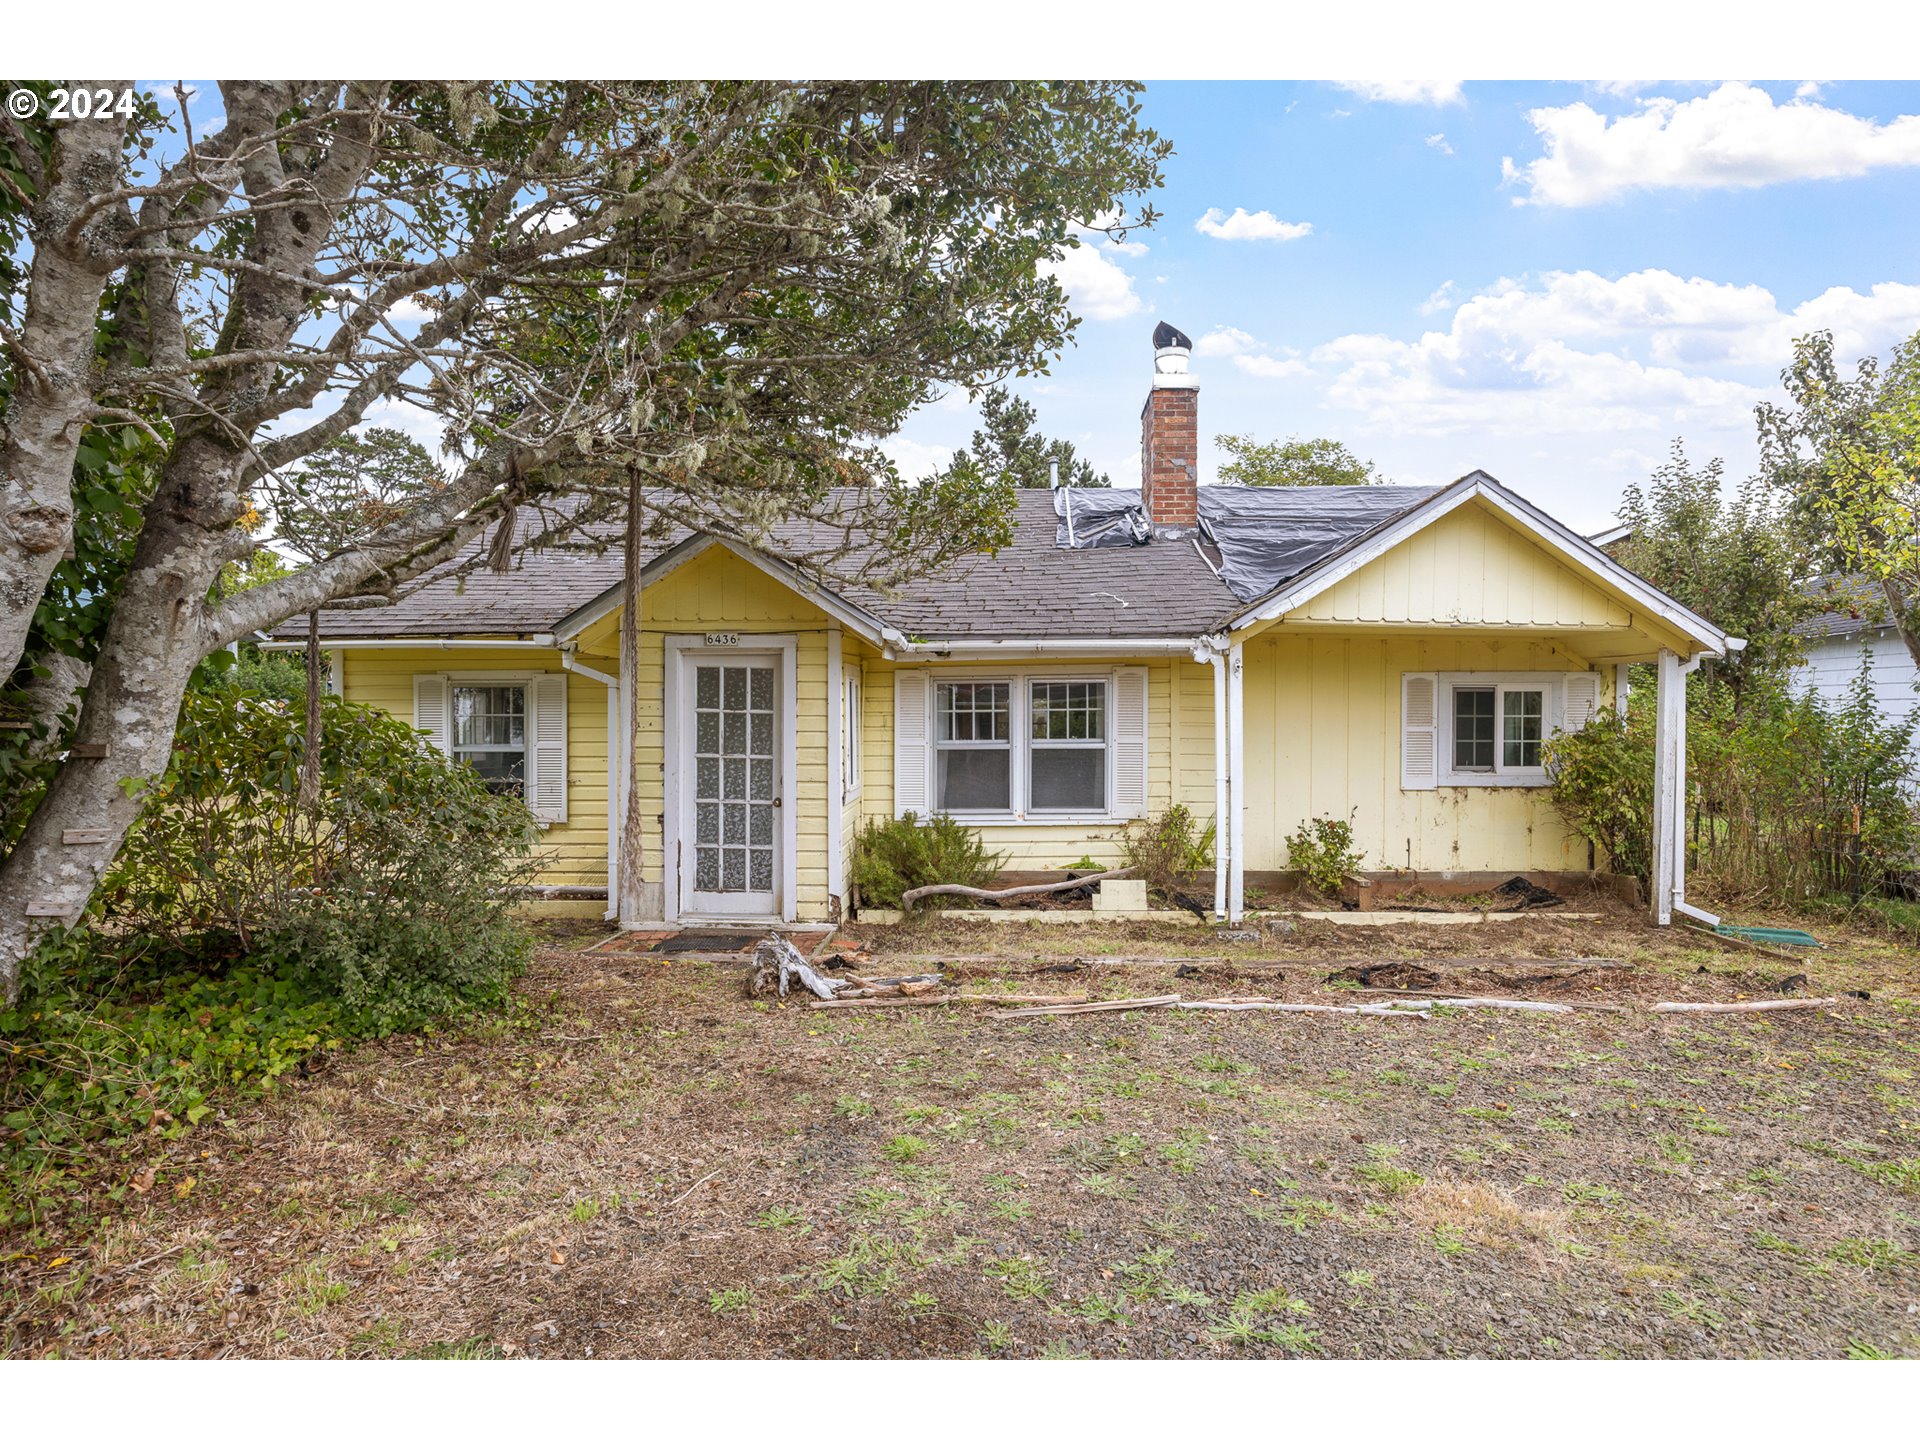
[1166,337]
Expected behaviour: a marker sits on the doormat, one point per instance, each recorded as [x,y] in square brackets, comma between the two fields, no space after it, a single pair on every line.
[710,942]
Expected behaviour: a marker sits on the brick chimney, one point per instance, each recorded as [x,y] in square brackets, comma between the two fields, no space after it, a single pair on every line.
[1170,434]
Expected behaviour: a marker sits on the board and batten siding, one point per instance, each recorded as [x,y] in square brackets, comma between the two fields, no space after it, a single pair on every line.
[1323,730]
[1469,567]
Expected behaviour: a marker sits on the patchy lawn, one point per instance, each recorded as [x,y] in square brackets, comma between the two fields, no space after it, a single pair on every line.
[642,1162]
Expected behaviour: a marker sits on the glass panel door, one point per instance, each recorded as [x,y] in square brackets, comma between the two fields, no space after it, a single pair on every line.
[730,853]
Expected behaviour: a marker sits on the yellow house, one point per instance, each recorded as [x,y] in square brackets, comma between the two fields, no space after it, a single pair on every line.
[1398,654]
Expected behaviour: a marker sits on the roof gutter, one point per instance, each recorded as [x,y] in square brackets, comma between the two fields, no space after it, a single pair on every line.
[342,642]
[900,647]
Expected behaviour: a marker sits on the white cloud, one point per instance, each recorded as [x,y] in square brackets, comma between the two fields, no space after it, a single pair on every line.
[1270,367]
[1225,340]
[915,459]
[1257,225]
[1808,90]
[1439,300]
[1572,352]
[1095,282]
[1438,141]
[1405,92]
[1734,137]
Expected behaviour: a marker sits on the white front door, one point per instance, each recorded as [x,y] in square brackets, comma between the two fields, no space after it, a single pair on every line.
[731,830]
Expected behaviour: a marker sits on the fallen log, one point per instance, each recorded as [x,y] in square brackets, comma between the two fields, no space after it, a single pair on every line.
[1152,1002]
[855,1000]
[1479,1002]
[894,985]
[882,1002]
[1017,892]
[1299,1009]
[1731,1007]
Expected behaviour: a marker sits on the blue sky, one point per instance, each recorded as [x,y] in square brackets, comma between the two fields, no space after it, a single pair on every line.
[1547,281]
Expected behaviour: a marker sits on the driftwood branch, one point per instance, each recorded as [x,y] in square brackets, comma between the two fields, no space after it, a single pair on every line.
[1152,1002]
[1299,1009]
[1670,1007]
[1017,892]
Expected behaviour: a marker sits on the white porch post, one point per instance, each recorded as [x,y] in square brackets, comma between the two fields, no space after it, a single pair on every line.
[836,777]
[1669,772]
[1222,826]
[1236,787]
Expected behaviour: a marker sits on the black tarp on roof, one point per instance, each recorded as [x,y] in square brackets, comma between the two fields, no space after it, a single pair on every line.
[1099,518]
[1268,535]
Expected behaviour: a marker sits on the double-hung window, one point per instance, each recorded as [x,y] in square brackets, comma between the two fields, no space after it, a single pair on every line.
[1066,767]
[490,734]
[1499,729]
[1021,746]
[1480,728]
[973,745]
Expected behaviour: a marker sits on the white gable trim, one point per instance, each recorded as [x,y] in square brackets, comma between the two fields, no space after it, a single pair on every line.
[861,622]
[1582,554]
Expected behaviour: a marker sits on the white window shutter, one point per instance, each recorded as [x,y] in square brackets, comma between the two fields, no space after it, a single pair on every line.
[1419,732]
[1129,744]
[547,754]
[912,743]
[1581,699]
[430,694]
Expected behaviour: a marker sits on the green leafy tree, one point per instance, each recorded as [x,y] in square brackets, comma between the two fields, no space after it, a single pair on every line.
[1292,461]
[720,295]
[1009,450]
[1846,450]
[1739,562]
[354,486]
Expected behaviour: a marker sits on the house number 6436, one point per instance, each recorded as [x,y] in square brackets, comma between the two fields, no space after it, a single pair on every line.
[722,637]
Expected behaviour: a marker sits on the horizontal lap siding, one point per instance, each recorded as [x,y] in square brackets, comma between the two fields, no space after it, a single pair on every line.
[1323,738]
[1171,763]
[571,854]
[716,592]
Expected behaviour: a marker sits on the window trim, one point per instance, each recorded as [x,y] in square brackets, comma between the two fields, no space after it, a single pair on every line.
[1020,742]
[851,727]
[1552,687]
[492,680]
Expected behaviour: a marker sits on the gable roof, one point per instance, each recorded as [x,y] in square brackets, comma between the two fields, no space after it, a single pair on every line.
[1572,547]
[1256,554]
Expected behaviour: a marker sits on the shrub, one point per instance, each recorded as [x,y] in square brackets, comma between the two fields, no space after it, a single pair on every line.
[1168,850]
[1321,849]
[391,894]
[1788,796]
[891,857]
[237,932]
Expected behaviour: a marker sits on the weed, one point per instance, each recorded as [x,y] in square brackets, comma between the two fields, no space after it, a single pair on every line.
[1010,1209]
[1389,1179]
[730,1302]
[782,1217]
[905,1148]
[852,1107]
[1021,1277]
[920,1303]
[1358,1279]
[1100,1310]
[1674,1148]
[997,1333]
[1449,1240]
[1690,1310]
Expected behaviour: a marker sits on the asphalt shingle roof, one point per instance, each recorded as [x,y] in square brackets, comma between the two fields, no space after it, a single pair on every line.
[1856,604]
[1028,589]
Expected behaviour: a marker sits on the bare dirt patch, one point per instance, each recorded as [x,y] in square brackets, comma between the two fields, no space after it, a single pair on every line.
[639,1161]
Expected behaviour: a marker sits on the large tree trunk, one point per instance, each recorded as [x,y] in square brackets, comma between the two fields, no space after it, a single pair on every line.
[632,878]
[1904,612]
[128,717]
[53,362]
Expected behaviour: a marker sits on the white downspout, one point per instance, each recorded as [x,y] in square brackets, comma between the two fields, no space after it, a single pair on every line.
[1694,912]
[614,769]
[1236,786]
[1222,827]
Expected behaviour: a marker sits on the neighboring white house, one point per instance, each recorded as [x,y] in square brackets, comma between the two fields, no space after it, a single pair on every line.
[1854,628]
